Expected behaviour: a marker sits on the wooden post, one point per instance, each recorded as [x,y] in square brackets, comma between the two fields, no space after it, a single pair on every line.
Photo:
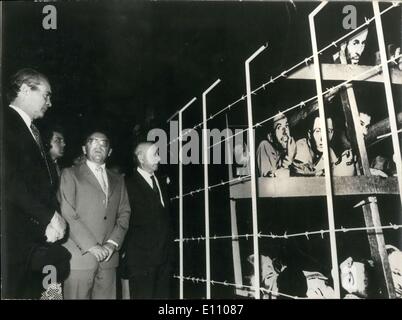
[370,208]
[388,95]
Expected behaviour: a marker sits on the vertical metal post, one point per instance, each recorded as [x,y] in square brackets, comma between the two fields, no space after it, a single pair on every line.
[251,140]
[233,216]
[205,153]
[181,195]
[323,125]
[388,94]
[370,210]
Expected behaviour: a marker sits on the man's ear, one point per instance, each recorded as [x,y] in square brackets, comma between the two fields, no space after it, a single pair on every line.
[110,152]
[84,151]
[270,137]
[24,89]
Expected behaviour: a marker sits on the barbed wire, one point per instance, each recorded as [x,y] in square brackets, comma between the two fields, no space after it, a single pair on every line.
[191,193]
[304,103]
[306,234]
[231,284]
[285,74]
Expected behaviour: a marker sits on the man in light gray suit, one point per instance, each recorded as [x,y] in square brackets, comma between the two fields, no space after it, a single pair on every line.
[94,202]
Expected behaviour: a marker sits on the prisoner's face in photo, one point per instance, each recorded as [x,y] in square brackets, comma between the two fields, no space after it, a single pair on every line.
[354,278]
[365,121]
[36,98]
[57,145]
[150,158]
[355,47]
[97,148]
[281,131]
[395,264]
[317,135]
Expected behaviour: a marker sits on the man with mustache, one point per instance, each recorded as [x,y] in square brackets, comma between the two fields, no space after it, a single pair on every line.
[275,154]
[351,50]
[95,204]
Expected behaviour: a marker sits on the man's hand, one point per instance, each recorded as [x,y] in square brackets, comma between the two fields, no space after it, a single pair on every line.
[111,248]
[51,234]
[291,149]
[99,252]
[56,228]
[377,172]
[59,224]
[342,53]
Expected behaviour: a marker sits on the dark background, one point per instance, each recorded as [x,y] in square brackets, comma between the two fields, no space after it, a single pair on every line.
[127,64]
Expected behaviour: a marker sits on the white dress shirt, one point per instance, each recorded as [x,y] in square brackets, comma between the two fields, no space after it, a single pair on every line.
[147,176]
[92,166]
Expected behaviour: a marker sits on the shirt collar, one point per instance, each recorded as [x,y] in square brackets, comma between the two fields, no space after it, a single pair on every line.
[93,165]
[144,173]
[23,115]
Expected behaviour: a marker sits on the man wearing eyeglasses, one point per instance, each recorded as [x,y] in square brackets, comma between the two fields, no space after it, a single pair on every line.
[95,204]
[31,223]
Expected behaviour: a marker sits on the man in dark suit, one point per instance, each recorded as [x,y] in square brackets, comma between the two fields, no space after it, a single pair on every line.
[148,247]
[95,204]
[31,224]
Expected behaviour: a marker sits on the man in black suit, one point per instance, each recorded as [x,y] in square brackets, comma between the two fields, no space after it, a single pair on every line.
[31,224]
[148,247]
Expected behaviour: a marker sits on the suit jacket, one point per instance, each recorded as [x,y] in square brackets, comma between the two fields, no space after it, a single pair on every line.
[149,241]
[90,221]
[30,202]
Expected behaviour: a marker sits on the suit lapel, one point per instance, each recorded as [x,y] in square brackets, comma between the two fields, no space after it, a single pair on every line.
[90,176]
[149,189]
[112,181]
[143,182]
[22,130]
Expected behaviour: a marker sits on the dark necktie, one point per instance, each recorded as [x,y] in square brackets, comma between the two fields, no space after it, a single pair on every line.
[38,140]
[154,185]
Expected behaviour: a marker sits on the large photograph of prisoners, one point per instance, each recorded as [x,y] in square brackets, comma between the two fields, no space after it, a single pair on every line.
[201,150]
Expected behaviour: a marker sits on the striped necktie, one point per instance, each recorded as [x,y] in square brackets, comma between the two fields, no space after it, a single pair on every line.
[38,140]
[102,182]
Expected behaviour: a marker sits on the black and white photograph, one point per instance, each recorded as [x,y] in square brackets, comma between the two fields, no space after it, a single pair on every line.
[201,151]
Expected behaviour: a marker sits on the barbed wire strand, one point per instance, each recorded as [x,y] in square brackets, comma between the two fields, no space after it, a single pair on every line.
[231,284]
[222,183]
[306,234]
[303,103]
[285,73]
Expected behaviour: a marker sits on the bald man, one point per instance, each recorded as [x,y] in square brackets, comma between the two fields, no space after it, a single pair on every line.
[149,240]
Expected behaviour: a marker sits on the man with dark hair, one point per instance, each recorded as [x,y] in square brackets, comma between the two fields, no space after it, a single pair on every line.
[31,224]
[55,144]
[148,247]
[352,49]
[95,204]
[309,154]
[275,154]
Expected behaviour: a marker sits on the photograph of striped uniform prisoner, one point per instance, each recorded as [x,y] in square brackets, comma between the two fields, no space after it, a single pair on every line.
[236,150]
